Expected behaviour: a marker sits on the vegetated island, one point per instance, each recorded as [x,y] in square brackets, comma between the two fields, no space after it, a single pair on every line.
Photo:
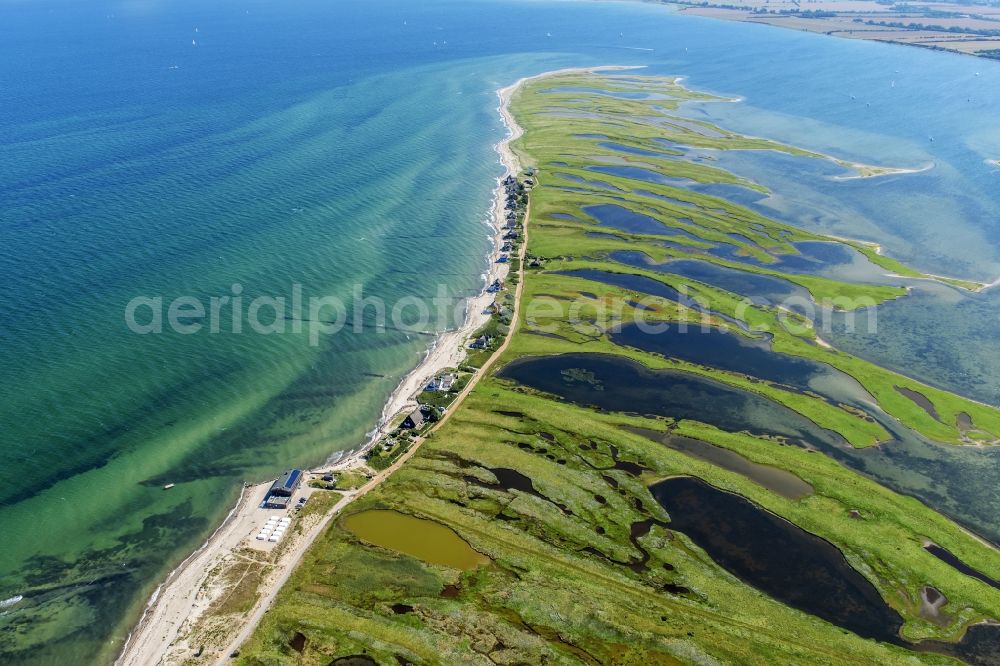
[607,494]
[962,27]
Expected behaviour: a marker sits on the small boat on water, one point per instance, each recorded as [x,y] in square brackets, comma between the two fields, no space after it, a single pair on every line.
[169,486]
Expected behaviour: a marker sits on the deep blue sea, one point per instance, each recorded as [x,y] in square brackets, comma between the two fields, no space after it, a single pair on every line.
[167,149]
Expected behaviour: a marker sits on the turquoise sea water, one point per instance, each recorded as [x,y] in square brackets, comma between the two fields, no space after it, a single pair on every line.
[170,149]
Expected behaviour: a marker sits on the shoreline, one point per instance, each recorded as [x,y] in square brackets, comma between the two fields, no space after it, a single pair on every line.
[179,588]
[927,37]
[182,599]
[444,348]
[865,171]
[946,280]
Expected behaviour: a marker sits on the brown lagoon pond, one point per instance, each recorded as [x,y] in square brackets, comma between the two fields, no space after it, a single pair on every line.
[425,540]
[775,479]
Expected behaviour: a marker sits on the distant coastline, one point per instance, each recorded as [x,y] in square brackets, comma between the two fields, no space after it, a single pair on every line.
[960,31]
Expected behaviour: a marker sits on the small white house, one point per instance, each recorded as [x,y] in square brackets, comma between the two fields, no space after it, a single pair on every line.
[442,382]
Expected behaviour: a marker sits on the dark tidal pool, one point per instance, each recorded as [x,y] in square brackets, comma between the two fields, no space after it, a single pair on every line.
[716,348]
[618,384]
[624,219]
[777,557]
[761,289]
[627,281]
[798,568]
[955,480]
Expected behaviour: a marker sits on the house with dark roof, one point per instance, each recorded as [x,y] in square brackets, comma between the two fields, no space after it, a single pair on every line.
[287,483]
[280,493]
[414,420]
[482,342]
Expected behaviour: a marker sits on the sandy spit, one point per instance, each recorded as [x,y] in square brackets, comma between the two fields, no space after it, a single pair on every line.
[162,634]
